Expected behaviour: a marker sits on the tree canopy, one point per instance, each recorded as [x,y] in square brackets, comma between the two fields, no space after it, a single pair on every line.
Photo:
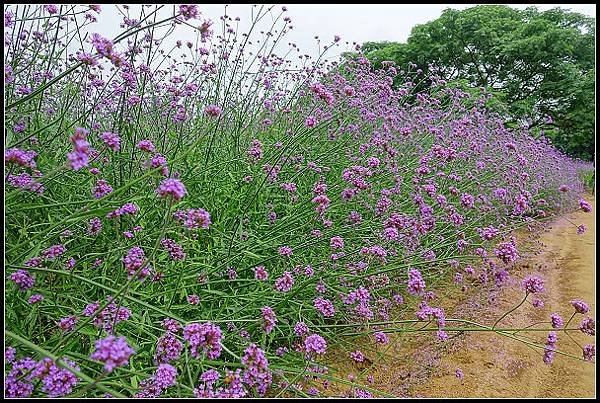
[541,64]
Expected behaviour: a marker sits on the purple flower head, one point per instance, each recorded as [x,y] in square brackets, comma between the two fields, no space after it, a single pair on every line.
[94,226]
[213,111]
[324,306]
[580,306]
[256,374]
[23,279]
[56,381]
[165,376]
[285,251]
[204,336]
[337,242]
[193,218]
[315,344]
[589,352]
[533,284]
[416,284]
[507,251]
[311,121]
[175,250]
[20,157]
[171,325]
[556,321]
[134,261]
[171,187]
[101,189]
[381,338]
[260,273]
[168,348]
[189,11]
[285,282]
[68,324]
[357,356]
[585,205]
[126,209]
[114,352]
[112,140]
[269,319]
[146,145]
[301,329]
[588,326]
[54,251]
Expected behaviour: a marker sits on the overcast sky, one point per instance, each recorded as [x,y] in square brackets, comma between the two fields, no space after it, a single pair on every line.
[368,22]
[353,22]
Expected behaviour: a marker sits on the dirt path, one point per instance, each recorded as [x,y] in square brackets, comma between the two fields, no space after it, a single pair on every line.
[415,365]
[499,367]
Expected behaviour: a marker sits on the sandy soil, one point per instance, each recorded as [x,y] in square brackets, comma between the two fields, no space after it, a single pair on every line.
[413,365]
[499,367]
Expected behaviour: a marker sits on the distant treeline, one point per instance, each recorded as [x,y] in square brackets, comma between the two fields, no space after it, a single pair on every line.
[539,64]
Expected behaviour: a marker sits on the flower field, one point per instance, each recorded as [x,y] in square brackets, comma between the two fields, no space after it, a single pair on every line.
[210,219]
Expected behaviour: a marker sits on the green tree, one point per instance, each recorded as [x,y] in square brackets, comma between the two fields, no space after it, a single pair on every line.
[540,63]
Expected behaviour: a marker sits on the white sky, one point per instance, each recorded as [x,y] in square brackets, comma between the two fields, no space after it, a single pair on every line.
[377,22]
[353,22]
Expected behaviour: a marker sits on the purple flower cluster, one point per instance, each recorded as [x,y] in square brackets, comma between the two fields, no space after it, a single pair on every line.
[53,252]
[285,282]
[255,152]
[556,320]
[337,242]
[285,251]
[260,273]
[269,319]
[112,140]
[168,348]
[315,344]
[416,284]
[101,189]
[146,145]
[134,261]
[324,306]
[589,352]
[257,374]
[588,326]
[550,347]
[585,205]
[108,317]
[35,298]
[301,329]
[175,250]
[114,352]
[171,187]
[68,323]
[20,157]
[205,336]
[94,226]
[235,388]
[164,377]
[533,284]
[79,158]
[56,381]
[507,251]
[193,218]
[126,209]
[580,306]
[23,279]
